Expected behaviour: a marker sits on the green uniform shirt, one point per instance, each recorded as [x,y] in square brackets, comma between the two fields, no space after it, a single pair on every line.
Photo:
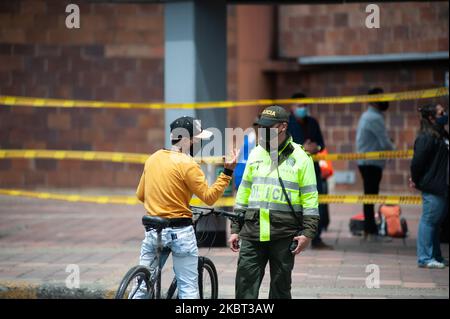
[267,212]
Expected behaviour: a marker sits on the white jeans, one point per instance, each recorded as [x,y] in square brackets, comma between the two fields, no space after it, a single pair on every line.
[183,244]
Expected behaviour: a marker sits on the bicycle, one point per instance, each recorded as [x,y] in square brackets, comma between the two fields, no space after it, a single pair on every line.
[148,282]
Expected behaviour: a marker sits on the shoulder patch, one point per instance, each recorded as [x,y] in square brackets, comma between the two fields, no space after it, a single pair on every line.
[290,161]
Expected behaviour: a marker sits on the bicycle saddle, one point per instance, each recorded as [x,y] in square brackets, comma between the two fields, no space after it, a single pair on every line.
[155,222]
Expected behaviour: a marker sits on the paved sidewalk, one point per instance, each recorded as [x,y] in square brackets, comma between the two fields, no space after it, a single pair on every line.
[40,238]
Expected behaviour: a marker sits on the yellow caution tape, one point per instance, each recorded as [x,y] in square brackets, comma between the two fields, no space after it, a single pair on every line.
[75,155]
[222,202]
[399,96]
[141,158]
[128,200]
[367,156]
[338,199]
[370,199]
[90,156]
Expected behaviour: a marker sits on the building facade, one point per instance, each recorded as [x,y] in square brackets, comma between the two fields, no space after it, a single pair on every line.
[118,55]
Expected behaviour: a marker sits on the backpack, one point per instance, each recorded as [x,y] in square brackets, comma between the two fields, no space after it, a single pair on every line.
[391,224]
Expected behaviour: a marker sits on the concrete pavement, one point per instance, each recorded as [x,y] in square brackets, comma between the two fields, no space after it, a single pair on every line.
[40,238]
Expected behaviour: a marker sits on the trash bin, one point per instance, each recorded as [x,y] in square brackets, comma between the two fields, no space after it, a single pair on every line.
[212,231]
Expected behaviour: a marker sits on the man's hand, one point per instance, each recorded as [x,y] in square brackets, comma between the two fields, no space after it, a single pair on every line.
[234,242]
[311,147]
[303,242]
[231,161]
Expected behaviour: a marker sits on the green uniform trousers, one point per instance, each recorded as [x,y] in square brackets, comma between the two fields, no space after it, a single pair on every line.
[253,257]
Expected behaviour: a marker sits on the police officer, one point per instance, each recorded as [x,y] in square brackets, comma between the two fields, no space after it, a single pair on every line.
[278,194]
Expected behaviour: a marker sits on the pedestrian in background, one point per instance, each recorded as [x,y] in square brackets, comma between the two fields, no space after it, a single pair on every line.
[372,136]
[429,174]
[442,119]
[247,146]
[305,130]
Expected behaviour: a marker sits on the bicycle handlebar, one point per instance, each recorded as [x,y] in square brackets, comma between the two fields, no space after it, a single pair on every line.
[227,214]
[198,210]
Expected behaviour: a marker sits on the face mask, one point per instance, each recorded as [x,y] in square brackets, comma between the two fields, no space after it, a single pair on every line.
[383,106]
[301,112]
[267,136]
[264,135]
[443,120]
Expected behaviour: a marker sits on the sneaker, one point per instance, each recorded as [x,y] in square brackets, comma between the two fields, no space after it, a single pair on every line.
[432,265]
[444,261]
[321,246]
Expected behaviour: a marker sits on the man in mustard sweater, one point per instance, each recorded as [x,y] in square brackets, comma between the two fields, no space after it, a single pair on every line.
[169,180]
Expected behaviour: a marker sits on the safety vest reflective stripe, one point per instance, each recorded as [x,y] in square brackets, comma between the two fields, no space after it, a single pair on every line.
[308,189]
[274,206]
[275,181]
[245,184]
[310,212]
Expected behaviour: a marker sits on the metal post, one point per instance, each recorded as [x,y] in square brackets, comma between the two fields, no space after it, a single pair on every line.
[195,68]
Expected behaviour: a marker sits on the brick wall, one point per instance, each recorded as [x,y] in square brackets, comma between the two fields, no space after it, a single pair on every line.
[116,55]
[232,53]
[307,30]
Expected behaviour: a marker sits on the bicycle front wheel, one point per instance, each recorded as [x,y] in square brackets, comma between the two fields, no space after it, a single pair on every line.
[136,284]
[207,279]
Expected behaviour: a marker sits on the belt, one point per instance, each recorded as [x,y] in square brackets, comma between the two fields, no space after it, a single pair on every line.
[179,222]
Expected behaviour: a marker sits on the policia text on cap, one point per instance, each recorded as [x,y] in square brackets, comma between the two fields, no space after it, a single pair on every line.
[279,196]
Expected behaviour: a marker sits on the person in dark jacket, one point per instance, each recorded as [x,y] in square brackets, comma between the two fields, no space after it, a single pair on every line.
[305,130]
[429,174]
[442,119]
